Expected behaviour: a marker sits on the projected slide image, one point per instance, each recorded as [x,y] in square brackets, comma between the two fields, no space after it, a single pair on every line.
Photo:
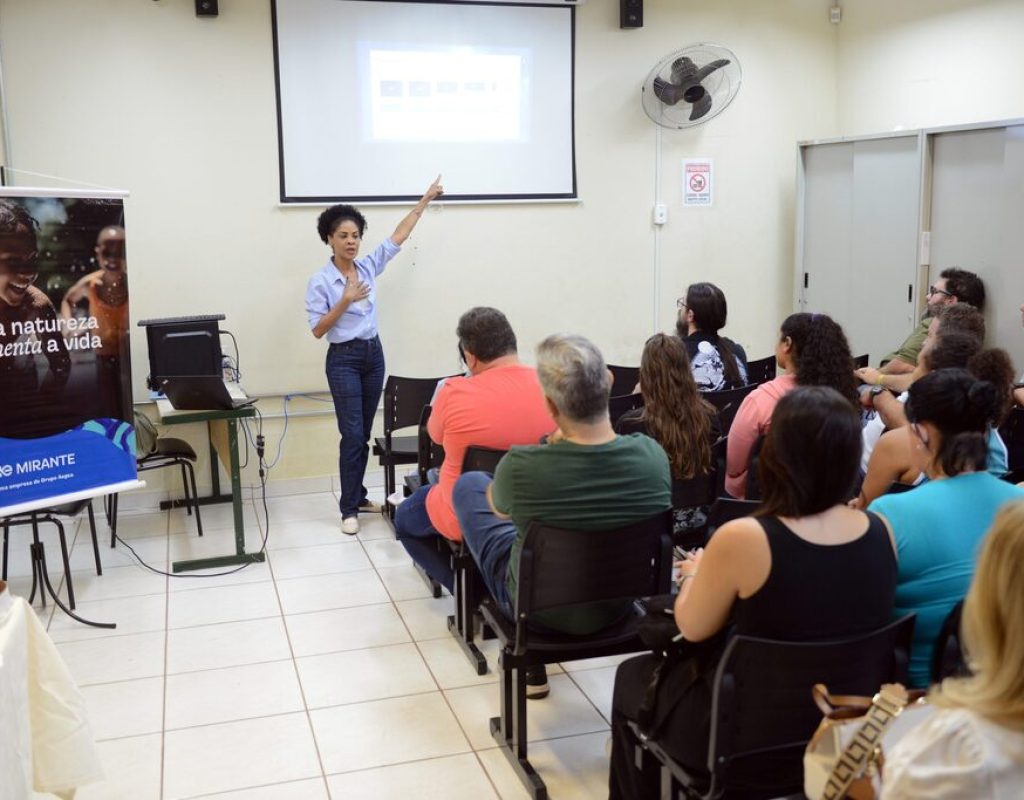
[454,95]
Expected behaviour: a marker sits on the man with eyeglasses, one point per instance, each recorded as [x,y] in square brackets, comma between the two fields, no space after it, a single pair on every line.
[27,327]
[953,285]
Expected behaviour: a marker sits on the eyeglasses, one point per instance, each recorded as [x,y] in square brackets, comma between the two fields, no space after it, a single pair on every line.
[681,303]
[936,290]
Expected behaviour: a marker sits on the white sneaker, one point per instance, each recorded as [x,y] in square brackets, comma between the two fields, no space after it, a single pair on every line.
[350,525]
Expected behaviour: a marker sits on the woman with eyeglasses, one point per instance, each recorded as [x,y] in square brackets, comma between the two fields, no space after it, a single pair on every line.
[717,362]
[938,527]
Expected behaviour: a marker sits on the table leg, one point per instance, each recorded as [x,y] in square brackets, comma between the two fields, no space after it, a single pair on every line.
[240,556]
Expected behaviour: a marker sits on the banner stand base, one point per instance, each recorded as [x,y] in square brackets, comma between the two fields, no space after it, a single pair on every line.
[41,580]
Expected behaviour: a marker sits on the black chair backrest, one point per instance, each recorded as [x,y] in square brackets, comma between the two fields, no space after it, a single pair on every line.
[404,399]
[948,657]
[728,403]
[562,567]
[481,459]
[859,362]
[1012,433]
[429,454]
[761,370]
[620,404]
[726,509]
[624,379]
[763,713]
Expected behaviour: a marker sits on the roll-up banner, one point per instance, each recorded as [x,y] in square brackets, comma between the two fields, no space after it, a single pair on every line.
[65,374]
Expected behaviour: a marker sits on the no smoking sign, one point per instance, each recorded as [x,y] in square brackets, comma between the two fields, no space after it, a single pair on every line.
[697,181]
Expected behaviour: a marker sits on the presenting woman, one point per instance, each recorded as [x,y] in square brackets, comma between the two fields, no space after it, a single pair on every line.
[341,303]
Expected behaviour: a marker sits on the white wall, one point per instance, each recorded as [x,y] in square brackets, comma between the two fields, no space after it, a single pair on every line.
[181,111]
[926,63]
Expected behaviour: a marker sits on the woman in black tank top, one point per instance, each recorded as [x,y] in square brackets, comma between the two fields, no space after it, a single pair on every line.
[805,568]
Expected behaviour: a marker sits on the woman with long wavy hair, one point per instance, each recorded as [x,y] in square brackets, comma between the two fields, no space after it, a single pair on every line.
[813,351]
[681,421]
[974,745]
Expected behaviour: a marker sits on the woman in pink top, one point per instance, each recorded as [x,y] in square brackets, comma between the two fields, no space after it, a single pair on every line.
[813,351]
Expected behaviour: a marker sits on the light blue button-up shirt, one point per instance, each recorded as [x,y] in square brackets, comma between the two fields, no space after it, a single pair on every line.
[327,285]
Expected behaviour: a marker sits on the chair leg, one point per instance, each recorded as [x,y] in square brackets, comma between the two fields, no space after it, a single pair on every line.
[195,495]
[184,486]
[3,576]
[462,623]
[509,730]
[67,562]
[113,519]
[95,543]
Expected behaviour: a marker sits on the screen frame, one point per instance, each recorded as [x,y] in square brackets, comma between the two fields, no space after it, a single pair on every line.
[570,196]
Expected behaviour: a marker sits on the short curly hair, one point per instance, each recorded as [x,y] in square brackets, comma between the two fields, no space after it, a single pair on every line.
[821,353]
[15,219]
[331,218]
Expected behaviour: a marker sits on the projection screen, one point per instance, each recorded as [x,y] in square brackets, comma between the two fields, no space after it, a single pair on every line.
[376,97]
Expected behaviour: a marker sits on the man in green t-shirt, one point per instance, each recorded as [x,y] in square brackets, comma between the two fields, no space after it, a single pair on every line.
[585,478]
[953,285]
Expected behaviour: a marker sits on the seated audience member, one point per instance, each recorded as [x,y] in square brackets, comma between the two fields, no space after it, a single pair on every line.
[586,478]
[681,421]
[806,568]
[954,317]
[1018,389]
[952,349]
[813,351]
[937,527]
[717,362]
[892,459]
[953,285]
[500,404]
[973,746]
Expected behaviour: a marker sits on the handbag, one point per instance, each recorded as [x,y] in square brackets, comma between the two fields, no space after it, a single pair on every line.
[683,667]
[845,757]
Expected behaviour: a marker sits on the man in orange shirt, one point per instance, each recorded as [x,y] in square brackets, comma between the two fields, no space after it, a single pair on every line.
[498,405]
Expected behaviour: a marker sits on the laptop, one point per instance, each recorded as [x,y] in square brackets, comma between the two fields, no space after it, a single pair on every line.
[201,393]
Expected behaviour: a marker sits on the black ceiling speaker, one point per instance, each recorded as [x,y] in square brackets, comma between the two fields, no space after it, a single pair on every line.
[206,8]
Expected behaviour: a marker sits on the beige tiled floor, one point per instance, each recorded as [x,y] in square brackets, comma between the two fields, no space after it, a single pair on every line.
[326,673]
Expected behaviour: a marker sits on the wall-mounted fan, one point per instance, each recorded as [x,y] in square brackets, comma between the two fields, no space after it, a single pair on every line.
[691,85]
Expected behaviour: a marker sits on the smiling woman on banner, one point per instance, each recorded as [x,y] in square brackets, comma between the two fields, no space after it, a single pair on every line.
[341,303]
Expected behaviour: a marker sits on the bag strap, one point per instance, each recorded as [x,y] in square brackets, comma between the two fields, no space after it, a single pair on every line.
[830,703]
[891,699]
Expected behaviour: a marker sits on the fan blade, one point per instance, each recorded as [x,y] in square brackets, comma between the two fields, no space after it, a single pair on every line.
[707,69]
[701,107]
[666,92]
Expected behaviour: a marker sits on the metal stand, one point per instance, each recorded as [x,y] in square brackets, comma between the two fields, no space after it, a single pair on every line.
[41,578]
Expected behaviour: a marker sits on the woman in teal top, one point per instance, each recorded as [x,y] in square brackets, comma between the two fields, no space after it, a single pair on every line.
[938,527]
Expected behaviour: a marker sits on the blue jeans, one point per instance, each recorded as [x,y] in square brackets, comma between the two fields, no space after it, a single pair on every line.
[420,538]
[355,373]
[488,538]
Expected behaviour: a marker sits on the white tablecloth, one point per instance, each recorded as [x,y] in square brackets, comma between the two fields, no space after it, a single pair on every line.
[46,743]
